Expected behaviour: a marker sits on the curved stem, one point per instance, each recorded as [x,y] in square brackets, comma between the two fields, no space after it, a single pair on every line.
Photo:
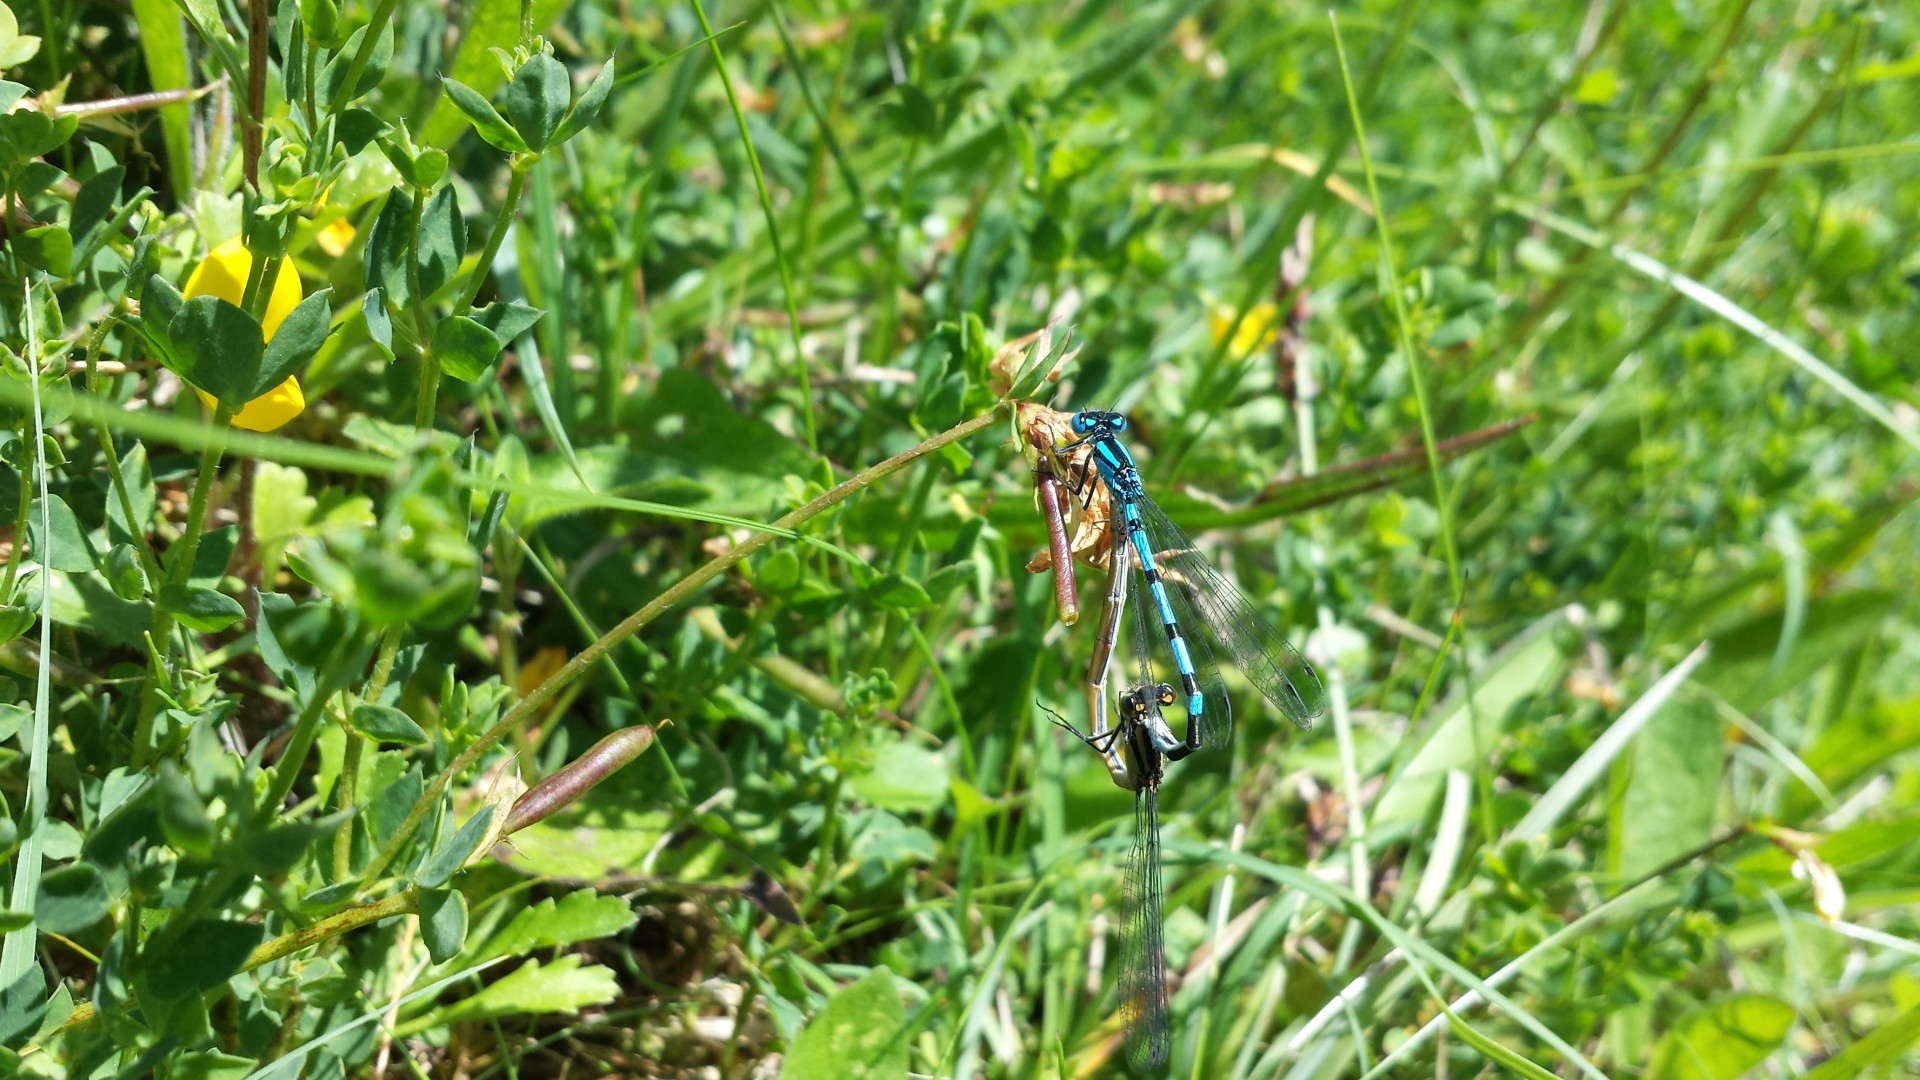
[680,591]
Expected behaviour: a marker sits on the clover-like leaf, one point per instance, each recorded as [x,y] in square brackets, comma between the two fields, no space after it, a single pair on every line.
[217,348]
[486,119]
[586,109]
[466,350]
[383,723]
[203,609]
[295,340]
[537,99]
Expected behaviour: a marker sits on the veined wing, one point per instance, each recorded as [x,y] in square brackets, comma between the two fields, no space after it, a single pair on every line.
[1282,675]
[1143,951]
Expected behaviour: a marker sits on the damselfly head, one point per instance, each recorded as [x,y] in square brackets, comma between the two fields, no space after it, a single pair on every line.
[1089,421]
[1147,700]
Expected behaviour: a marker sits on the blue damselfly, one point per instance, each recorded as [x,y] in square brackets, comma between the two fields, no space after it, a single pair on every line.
[1215,610]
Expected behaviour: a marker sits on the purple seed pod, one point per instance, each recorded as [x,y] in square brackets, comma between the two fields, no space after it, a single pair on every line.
[576,777]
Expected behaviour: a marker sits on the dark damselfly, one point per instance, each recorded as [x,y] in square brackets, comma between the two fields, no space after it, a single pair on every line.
[1131,749]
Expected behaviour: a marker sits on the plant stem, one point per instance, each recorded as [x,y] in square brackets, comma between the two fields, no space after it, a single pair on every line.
[501,224]
[402,903]
[679,592]
[429,392]
[382,15]
[183,554]
[305,730]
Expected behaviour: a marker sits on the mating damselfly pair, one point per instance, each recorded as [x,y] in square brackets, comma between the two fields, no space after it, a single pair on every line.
[1199,612]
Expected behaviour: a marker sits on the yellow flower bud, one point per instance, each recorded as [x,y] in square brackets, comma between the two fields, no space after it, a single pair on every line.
[223,273]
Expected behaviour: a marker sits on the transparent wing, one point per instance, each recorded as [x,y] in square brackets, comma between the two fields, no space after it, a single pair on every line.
[1225,614]
[1143,957]
[1216,723]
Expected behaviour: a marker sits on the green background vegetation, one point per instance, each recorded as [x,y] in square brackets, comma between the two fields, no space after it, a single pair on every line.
[1623,696]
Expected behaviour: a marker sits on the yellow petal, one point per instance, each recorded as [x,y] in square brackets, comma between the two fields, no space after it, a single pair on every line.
[223,273]
[540,667]
[335,237]
[1257,331]
[268,412]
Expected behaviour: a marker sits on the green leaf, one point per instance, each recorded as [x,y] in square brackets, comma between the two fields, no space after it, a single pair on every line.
[274,851]
[899,592]
[914,114]
[778,572]
[905,778]
[123,573]
[563,987]
[1673,789]
[334,77]
[183,816]
[587,108]
[295,340]
[200,608]
[15,48]
[209,1065]
[857,1035]
[14,620]
[373,308]
[1525,665]
[449,857]
[140,492]
[579,916]
[949,579]
[48,248]
[66,547]
[383,723]
[187,957]
[385,258]
[486,119]
[443,923]
[356,127]
[159,303]
[443,240]
[218,348]
[537,98]
[491,24]
[466,350]
[1723,1040]
[1744,670]
[14,920]
[71,899]
[507,319]
[1495,1052]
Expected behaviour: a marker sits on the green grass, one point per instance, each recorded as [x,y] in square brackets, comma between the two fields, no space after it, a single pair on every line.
[1577,450]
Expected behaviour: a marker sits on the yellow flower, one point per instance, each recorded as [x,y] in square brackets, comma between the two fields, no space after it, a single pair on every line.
[540,667]
[1257,331]
[223,273]
[335,236]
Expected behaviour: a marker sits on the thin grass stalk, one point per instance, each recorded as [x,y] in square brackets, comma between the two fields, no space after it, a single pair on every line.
[773,233]
[1390,283]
